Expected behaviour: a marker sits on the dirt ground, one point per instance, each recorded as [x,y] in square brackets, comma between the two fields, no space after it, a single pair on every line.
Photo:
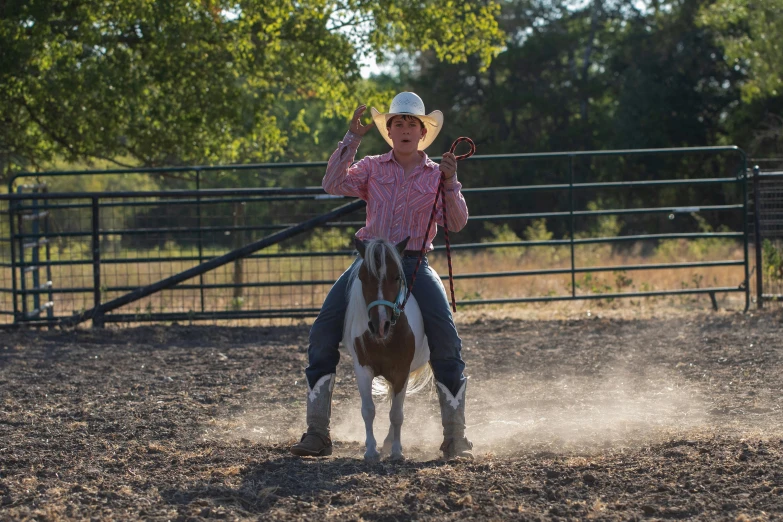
[596,416]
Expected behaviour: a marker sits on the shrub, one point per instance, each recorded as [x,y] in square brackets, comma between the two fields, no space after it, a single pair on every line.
[772,261]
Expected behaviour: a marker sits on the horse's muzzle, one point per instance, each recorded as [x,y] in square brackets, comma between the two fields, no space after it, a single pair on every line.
[383,330]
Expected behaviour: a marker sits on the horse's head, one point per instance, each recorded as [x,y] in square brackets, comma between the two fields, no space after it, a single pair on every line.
[383,283]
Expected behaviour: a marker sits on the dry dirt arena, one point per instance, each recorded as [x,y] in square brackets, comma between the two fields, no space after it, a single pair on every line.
[603,416]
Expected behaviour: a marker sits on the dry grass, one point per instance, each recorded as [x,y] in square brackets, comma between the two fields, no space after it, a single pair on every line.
[271,270]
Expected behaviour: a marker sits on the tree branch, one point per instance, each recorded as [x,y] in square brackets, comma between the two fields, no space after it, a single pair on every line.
[64,142]
[49,132]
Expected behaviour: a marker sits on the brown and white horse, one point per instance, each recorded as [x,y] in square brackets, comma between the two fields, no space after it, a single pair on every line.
[384,341]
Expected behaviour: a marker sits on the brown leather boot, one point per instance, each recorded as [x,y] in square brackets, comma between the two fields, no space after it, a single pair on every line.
[313,445]
[452,413]
[316,441]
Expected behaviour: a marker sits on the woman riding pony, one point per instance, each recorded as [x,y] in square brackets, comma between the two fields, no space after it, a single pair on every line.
[399,188]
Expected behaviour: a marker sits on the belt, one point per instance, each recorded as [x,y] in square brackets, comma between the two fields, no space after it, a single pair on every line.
[412,253]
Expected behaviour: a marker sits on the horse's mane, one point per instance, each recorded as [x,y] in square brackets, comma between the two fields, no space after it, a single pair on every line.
[375,257]
[375,260]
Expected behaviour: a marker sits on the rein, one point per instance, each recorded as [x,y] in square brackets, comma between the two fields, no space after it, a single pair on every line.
[441,193]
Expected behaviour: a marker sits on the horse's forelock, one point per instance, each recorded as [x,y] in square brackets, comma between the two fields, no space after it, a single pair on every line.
[375,256]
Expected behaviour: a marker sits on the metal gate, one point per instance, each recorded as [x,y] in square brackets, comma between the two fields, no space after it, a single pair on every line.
[255,253]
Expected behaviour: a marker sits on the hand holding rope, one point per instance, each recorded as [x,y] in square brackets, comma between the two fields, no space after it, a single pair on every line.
[441,193]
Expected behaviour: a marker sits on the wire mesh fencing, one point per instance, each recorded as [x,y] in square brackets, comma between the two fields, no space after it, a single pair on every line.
[769,201]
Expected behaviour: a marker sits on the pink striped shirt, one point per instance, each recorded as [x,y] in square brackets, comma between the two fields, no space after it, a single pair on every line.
[397,206]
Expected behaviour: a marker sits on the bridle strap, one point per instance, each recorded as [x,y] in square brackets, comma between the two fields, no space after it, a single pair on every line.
[441,193]
[396,307]
[381,302]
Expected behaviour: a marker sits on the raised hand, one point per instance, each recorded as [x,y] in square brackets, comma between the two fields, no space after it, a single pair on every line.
[356,121]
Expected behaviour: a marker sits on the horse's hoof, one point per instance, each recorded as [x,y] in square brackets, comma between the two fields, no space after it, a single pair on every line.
[397,458]
[372,458]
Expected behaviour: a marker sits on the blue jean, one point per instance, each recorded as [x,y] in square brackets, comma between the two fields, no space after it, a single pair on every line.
[445,345]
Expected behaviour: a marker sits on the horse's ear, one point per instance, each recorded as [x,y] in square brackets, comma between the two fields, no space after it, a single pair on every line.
[402,244]
[360,246]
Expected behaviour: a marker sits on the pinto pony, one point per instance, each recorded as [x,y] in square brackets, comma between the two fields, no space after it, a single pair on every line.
[388,346]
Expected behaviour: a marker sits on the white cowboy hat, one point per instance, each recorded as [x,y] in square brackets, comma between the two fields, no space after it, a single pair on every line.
[409,103]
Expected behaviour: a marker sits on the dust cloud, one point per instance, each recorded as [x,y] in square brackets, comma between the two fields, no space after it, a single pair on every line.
[511,414]
[507,414]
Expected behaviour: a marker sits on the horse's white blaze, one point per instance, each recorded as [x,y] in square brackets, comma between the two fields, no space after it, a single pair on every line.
[382,314]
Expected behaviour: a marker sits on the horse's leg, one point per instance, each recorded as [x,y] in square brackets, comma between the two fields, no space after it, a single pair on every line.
[364,378]
[389,440]
[396,417]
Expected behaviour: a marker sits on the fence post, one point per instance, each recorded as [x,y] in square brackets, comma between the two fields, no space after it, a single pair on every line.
[200,236]
[239,240]
[97,319]
[757,237]
[11,232]
[48,250]
[22,261]
[571,222]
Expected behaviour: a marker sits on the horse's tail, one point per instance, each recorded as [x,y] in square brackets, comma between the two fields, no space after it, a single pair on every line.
[419,379]
[382,388]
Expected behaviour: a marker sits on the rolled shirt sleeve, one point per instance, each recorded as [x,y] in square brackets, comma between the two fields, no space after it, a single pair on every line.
[342,178]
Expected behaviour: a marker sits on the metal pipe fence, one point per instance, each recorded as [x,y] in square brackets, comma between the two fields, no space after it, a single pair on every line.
[66,255]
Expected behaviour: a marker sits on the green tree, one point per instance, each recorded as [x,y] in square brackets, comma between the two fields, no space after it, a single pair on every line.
[752,35]
[144,82]
[602,74]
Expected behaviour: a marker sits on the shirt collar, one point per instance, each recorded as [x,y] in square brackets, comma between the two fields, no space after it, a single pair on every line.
[425,160]
[389,156]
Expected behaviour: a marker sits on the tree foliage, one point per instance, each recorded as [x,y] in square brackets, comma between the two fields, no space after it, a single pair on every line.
[606,74]
[218,81]
[752,35]
[159,83]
